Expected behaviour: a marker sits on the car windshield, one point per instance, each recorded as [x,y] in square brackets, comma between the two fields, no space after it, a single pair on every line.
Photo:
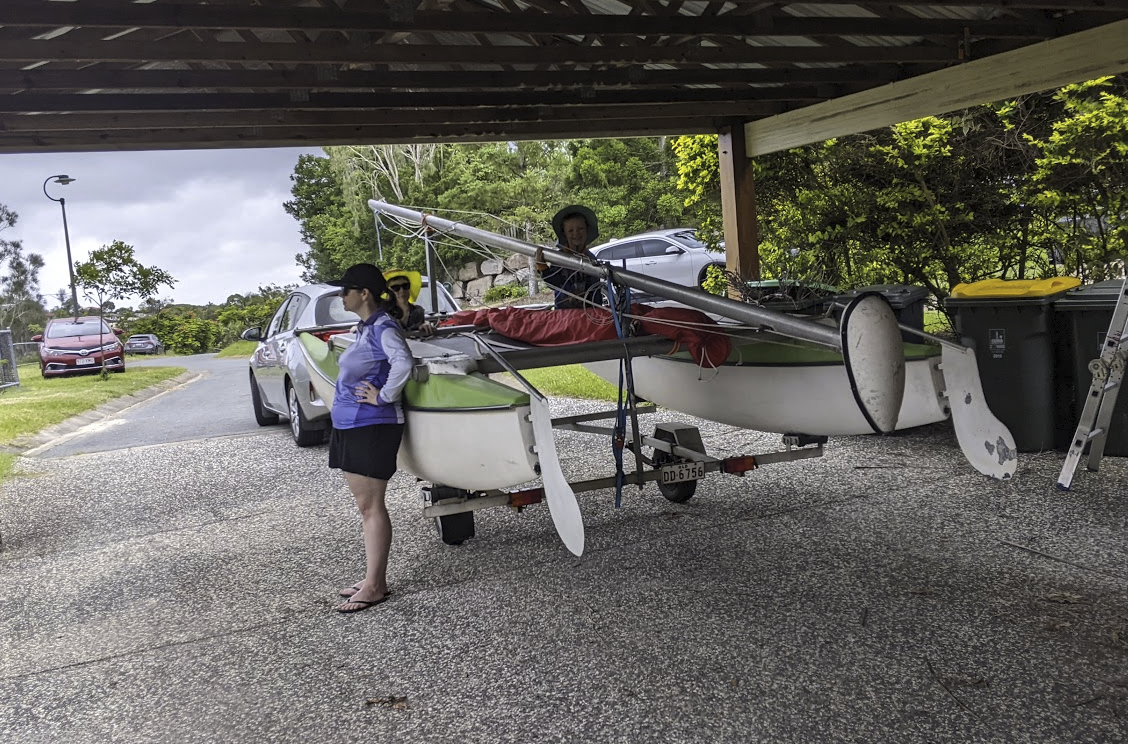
[138,338]
[689,239]
[81,328]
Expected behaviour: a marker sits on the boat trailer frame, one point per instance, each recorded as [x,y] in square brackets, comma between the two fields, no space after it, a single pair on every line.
[675,446]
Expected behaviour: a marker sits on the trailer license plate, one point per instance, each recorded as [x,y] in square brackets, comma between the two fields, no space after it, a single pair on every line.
[683,471]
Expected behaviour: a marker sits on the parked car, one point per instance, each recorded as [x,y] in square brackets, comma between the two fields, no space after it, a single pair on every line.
[280,385]
[70,345]
[144,343]
[675,255]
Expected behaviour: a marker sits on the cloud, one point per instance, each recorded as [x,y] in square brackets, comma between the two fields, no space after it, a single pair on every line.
[211,218]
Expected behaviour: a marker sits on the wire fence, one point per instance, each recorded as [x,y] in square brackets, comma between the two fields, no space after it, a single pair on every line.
[9,374]
[27,352]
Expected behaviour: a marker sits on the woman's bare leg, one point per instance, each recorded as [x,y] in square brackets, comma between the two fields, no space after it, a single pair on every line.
[377,528]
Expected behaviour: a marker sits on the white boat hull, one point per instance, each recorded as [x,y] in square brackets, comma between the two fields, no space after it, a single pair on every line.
[800,399]
[476,450]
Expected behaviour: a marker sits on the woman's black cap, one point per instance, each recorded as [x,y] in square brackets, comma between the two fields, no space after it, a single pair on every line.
[363,275]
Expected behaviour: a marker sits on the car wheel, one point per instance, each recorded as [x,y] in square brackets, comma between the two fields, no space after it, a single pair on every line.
[705,274]
[262,416]
[304,436]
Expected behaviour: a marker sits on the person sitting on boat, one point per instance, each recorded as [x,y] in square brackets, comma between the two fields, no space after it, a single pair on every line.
[576,227]
[368,422]
[403,289]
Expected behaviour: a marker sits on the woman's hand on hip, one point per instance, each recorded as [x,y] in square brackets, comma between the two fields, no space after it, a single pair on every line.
[366,392]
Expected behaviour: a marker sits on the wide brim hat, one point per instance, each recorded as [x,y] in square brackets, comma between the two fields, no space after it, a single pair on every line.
[571,211]
[364,275]
[413,277]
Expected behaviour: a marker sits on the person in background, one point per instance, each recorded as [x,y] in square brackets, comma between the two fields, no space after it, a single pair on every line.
[403,289]
[576,228]
[368,422]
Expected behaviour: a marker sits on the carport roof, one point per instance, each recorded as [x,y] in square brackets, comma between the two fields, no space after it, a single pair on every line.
[160,74]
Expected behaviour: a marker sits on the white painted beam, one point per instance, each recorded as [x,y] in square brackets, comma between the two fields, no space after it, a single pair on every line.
[1050,64]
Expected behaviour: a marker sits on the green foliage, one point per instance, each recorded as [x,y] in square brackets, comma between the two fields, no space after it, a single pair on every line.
[716,280]
[699,182]
[114,273]
[181,333]
[505,292]
[627,183]
[20,305]
[1081,175]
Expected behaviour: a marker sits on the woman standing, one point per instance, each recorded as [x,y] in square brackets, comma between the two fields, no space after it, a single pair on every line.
[368,422]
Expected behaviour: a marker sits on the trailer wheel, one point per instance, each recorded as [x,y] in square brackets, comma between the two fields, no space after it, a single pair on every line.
[455,529]
[679,493]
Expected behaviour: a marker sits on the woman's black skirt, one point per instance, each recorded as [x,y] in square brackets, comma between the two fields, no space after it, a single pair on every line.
[366,450]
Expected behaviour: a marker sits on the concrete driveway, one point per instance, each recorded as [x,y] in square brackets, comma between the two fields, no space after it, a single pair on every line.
[182,591]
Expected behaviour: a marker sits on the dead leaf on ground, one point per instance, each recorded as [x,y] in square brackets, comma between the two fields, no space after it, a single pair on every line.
[395,702]
[1063,598]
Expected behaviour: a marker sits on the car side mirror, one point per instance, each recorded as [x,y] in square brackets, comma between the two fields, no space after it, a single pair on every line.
[37,337]
[673,250]
[251,334]
[119,331]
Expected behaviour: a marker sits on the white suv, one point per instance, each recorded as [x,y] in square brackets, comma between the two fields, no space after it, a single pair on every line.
[676,255]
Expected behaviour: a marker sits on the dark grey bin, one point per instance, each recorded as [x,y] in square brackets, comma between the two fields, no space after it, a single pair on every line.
[1086,313]
[907,301]
[1023,364]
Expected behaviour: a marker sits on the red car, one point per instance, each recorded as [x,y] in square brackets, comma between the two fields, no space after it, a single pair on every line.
[78,345]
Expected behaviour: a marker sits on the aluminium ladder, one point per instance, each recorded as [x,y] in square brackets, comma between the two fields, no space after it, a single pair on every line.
[1108,374]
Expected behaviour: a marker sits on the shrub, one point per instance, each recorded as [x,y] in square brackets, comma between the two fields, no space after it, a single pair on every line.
[505,292]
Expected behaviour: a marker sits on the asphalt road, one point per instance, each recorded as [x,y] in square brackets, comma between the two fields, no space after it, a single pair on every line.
[183,591]
[218,404]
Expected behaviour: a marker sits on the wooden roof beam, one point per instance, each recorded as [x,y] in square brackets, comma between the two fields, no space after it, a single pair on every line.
[419,54]
[176,17]
[190,138]
[305,77]
[1050,64]
[124,102]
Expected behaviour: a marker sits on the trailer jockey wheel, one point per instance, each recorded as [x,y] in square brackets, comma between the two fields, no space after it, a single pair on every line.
[679,493]
[455,529]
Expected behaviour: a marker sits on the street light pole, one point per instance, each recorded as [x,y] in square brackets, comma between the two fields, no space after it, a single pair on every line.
[63,180]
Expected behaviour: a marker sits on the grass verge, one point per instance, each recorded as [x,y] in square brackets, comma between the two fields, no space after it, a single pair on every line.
[238,349]
[6,462]
[571,381]
[38,402]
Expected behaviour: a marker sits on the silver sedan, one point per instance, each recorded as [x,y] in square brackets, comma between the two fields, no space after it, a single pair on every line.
[279,368]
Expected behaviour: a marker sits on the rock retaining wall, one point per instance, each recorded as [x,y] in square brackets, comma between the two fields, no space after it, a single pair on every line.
[470,281]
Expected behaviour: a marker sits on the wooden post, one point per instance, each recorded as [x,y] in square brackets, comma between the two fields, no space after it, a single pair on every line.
[738,205]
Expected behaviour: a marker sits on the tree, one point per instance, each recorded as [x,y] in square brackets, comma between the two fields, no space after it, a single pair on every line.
[20,303]
[1081,176]
[114,273]
[336,237]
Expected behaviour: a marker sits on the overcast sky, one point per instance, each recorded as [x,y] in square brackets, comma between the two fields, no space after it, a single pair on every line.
[211,218]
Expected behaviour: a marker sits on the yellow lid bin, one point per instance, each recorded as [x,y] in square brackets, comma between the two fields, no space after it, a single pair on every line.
[1003,288]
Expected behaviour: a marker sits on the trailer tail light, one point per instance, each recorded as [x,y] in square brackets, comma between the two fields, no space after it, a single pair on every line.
[738,464]
[325,335]
[525,498]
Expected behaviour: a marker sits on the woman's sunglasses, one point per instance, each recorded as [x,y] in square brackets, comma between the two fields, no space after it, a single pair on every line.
[398,287]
